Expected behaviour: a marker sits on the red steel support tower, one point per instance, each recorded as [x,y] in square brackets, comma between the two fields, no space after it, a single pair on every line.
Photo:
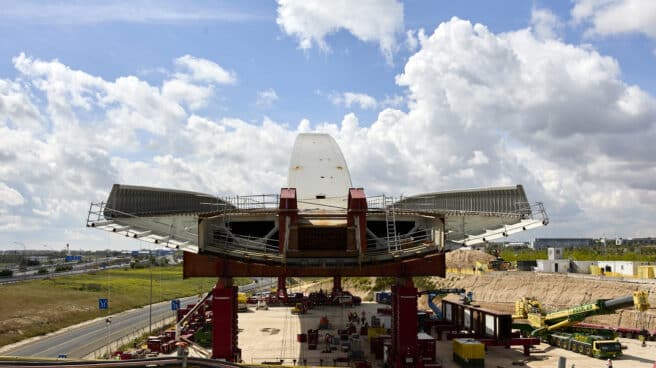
[224,321]
[404,325]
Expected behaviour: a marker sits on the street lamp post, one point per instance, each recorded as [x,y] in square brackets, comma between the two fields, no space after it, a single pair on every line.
[150,305]
[24,252]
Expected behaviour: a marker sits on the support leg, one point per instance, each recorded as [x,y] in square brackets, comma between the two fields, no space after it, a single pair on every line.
[282,289]
[337,285]
[224,321]
[404,325]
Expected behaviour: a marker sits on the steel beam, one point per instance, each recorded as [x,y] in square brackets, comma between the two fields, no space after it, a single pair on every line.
[201,265]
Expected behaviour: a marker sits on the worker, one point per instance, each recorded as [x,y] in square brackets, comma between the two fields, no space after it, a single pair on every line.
[609,364]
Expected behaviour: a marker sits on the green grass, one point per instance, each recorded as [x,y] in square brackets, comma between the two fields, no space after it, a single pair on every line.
[37,307]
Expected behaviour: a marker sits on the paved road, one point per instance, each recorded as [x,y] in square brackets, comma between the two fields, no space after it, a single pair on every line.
[84,339]
[80,341]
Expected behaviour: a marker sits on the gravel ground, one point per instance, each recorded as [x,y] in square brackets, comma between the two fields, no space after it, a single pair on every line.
[271,336]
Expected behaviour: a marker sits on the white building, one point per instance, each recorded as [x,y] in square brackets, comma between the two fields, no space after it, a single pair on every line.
[626,268]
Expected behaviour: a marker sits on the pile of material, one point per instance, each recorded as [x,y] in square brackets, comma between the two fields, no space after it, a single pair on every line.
[466,258]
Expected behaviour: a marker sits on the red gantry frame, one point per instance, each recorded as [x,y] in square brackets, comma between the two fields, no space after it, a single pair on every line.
[404,301]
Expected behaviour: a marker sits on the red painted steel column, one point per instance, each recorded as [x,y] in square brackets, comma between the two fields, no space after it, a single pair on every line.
[282,289]
[288,208]
[224,321]
[287,215]
[357,207]
[405,351]
[337,284]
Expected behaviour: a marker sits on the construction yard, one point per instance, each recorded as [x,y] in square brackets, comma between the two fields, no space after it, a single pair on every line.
[271,336]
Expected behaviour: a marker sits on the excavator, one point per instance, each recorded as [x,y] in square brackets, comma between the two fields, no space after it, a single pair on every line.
[550,327]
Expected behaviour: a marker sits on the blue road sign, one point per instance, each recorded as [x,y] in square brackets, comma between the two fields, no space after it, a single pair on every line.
[103,303]
[175,304]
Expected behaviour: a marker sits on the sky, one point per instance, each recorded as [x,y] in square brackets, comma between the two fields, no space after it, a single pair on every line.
[421,96]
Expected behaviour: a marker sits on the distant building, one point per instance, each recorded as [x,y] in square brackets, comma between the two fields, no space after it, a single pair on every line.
[641,241]
[541,243]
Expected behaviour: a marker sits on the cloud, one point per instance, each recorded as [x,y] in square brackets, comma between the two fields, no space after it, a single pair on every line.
[478,109]
[545,24]
[203,70]
[266,98]
[361,100]
[119,11]
[368,20]
[10,196]
[609,17]
[349,99]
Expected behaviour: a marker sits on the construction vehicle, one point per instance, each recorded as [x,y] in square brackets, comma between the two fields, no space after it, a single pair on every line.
[499,264]
[552,327]
[299,308]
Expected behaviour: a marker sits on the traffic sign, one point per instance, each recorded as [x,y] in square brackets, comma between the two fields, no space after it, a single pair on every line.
[103,303]
[175,304]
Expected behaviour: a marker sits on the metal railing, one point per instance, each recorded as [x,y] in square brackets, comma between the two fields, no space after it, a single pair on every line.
[252,202]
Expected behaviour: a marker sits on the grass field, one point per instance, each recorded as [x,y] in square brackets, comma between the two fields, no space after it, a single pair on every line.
[37,307]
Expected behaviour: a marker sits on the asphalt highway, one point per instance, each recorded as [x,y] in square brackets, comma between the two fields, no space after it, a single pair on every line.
[82,340]
[79,341]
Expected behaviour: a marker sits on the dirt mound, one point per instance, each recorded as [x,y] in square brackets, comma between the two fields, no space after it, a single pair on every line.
[499,291]
[466,258]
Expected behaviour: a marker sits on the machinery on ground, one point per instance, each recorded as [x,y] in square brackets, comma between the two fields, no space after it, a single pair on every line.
[299,308]
[499,264]
[556,328]
[242,302]
[432,294]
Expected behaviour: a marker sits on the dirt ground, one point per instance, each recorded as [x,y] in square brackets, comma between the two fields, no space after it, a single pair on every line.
[493,290]
[499,290]
[271,336]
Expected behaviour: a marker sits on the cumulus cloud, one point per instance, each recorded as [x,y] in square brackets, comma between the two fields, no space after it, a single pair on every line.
[203,70]
[266,98]
[545,23]
[479,109]
[610,17]
[362,100]
[10,196]
[310,21]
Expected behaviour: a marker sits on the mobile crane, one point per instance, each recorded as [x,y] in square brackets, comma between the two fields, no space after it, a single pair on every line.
[549,326]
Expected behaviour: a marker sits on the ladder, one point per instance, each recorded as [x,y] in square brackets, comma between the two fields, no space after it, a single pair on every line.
[390,221]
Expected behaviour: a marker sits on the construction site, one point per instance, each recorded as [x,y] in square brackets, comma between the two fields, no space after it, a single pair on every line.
[362,280]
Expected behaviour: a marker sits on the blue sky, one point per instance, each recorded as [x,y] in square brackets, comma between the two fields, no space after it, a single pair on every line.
[558,96]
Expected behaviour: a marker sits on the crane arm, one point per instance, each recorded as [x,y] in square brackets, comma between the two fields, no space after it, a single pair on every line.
[433,293]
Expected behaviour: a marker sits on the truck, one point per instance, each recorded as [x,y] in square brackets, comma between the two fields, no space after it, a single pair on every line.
[558,328]
[593,345]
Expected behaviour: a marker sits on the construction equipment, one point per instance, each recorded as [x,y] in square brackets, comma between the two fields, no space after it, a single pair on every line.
[526,305]
[499,264]
[432,294]
[299,308]
[550,326]
[242,302]
[261,305]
